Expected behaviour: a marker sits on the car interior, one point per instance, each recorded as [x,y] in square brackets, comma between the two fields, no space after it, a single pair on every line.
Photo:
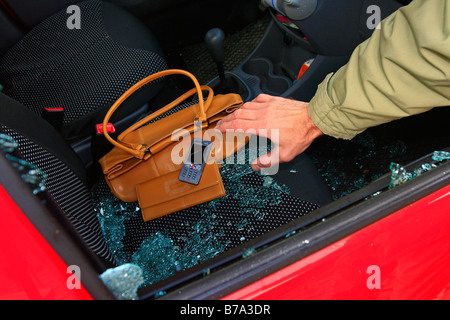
[57,83]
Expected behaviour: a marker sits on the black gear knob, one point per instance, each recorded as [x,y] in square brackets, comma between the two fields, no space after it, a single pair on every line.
[214,40]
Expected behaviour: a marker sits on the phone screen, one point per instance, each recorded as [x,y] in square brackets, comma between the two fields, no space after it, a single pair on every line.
[197,153]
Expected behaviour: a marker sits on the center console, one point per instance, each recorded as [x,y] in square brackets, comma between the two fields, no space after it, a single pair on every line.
[321,43]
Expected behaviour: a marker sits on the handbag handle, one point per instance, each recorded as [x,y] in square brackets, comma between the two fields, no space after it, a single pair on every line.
[143,151]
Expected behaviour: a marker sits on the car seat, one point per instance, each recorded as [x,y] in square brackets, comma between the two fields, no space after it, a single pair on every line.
[40,144]
[82,71]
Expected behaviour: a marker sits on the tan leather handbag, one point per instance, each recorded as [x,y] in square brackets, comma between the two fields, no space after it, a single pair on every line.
[141,168]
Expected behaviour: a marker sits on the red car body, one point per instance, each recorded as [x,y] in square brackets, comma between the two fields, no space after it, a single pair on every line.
[409,249]
[30,267]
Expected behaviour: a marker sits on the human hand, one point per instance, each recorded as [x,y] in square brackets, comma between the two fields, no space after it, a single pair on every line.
[288,117]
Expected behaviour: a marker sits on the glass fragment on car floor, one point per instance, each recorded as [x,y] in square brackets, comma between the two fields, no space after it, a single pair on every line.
[202,234]
[123,281]
[347,166]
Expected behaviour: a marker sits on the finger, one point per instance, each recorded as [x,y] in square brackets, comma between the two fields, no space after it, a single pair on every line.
[267,160]
[261,101]
[243,114]
[253,127]
[235,125]
[261,98]
[253,105]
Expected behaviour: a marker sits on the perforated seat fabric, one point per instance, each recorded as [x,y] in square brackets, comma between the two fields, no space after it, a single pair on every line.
[84,71]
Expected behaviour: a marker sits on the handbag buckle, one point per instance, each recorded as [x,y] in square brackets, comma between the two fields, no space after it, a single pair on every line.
[144,151]
[199,123]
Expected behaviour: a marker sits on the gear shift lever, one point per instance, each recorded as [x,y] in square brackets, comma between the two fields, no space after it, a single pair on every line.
[214,39]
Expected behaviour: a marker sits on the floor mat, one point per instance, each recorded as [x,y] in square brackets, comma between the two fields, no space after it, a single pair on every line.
[237,47]
[253,205]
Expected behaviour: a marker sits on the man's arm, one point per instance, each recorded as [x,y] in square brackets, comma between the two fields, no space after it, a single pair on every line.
[401,70]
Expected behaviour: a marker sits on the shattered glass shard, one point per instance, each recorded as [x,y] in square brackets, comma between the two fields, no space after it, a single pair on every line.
[399,175]
[250,252]
[31,174]
[161,254]
[7,143]
[423,168]
[441,156]
[123,281]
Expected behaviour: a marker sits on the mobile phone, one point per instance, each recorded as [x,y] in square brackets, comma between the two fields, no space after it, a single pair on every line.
[195,161]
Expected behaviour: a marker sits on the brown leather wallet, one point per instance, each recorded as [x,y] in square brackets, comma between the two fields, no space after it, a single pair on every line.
[167,194]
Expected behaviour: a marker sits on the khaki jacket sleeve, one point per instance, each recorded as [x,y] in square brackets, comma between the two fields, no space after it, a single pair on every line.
[401,70]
